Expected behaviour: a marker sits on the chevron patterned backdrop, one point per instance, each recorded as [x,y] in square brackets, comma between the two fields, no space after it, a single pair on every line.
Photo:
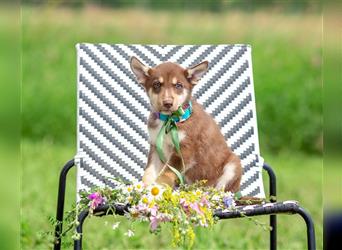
[112,144]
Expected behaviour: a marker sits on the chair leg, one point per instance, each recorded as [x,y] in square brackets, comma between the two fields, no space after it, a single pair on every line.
[310,228]
[273,232]
[60,203]
[273,219]
[273,198]
[81,218]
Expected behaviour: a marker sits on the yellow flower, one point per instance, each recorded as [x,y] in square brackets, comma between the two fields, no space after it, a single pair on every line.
[155,191]
[144,200]
[167,195]
[152,203]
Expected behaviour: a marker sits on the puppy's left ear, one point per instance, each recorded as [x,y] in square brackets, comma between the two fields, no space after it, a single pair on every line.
[194,74]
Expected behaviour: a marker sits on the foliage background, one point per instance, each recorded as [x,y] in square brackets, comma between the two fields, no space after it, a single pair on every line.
[286,54]
[286,42]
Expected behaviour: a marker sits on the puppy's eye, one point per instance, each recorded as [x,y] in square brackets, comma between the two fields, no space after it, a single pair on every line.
[178,86]
[156,85]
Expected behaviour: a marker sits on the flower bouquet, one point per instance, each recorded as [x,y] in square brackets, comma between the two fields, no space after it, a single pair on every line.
[185,207]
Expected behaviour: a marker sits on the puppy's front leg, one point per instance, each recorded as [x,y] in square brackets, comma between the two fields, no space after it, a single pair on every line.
[153,167]
[167,177]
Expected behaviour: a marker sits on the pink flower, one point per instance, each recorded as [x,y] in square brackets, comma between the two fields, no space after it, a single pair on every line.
[142,208]
[184,204]
[154,210]
[204,202]
[154,222]
[153,218]
[95,200]
[194,206]
[156,218]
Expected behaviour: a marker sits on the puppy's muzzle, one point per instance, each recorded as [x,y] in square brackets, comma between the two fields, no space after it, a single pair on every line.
[167,104]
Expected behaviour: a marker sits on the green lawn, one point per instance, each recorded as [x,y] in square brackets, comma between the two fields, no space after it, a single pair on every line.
[299,178]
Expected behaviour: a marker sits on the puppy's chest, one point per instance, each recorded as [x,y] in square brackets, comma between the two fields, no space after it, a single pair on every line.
[154,129]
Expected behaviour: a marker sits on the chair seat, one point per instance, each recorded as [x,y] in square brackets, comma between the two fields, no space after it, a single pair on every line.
[289,206]
[239,211]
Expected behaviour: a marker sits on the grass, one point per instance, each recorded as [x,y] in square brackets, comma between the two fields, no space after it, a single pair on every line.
[286,63]
[299,178]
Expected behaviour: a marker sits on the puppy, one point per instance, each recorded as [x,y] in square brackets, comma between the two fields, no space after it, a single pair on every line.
[203,147]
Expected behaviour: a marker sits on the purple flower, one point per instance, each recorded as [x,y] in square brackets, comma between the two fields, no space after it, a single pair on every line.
[228,201]
[95,200]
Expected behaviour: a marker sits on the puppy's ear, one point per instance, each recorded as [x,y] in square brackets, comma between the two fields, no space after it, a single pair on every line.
[193,74]
[139,70]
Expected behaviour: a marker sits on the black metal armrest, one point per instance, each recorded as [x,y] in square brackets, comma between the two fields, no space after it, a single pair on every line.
[272,182]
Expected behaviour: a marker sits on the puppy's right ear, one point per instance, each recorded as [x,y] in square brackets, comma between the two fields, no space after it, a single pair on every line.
[139,70]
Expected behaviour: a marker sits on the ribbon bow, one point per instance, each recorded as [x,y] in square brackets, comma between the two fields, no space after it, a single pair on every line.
[170,126]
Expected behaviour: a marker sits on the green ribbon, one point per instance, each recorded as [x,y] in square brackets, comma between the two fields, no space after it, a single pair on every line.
[237,195]
[170,126]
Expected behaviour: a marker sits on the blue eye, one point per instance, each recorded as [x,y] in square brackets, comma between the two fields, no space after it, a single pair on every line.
[178,86]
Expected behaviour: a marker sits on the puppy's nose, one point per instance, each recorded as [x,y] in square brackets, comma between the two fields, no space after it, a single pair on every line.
[167,103]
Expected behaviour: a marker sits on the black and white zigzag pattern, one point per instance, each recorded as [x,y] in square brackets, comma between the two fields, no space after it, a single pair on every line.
[113,108]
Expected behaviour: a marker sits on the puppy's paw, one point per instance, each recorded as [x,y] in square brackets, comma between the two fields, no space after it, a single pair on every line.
[148,180]
[149,176]
[167,178]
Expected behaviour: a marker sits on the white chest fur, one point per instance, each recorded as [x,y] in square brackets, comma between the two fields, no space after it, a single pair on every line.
[167,145]
[152,171]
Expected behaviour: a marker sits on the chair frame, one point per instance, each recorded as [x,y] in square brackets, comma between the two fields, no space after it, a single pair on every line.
[119,209]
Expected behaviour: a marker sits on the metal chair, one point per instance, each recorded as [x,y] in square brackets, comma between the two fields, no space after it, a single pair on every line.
[109,143]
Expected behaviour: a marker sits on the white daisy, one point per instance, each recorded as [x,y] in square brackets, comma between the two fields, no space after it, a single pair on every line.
[119,185]
[146,199]
[216,197]
[129,233]
[156,191]
[115,225]
[129,188]
[139,186]
[197,192]
[129,198]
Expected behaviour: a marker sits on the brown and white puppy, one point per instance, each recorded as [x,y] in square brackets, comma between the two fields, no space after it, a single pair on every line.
[204,149]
